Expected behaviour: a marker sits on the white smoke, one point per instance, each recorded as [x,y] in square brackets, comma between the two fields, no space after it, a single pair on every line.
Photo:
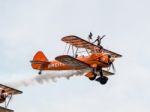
[45,77]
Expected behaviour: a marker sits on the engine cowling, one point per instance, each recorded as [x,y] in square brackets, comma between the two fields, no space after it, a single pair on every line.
[3,96]
[91,75]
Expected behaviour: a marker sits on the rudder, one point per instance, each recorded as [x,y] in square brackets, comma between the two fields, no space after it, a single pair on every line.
[39,56]
[38,60]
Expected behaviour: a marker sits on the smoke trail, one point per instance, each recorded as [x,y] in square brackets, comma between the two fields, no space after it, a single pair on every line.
[45,77]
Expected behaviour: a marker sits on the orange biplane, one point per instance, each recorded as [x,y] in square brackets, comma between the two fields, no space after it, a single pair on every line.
[98,60]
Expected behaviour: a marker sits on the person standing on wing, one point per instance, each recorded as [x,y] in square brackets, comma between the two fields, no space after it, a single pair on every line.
[98,40]
[90,37]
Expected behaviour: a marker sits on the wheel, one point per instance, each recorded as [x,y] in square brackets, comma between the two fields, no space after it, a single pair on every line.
[103,80]
[40,72]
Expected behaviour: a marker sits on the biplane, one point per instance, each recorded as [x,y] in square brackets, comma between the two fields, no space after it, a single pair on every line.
[6,94]
[97,59]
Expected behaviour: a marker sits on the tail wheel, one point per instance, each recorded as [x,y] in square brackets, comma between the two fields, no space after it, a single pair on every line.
[103,80]
[40,72]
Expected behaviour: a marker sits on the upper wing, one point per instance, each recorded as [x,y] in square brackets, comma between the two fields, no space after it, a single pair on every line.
[9,90]
[66,59]
[81,43]
[78,42]
[116,55]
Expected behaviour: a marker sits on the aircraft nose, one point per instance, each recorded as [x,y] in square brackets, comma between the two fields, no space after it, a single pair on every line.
[111,59]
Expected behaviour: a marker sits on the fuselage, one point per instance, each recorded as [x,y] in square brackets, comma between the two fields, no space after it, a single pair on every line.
[94,60]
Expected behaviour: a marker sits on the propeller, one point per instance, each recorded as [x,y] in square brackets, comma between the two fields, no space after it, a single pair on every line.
[111,59]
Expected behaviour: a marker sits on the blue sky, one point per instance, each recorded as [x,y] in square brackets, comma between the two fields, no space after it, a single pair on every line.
[27,26]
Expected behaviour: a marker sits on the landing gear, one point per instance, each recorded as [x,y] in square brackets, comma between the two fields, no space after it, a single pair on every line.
[102,79]
[40,72]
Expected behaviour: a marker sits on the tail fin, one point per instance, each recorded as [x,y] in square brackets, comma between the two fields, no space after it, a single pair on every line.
[39,56]
[38,60]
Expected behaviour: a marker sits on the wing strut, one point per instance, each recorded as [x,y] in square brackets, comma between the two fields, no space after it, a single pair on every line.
[7,103]
[73,52]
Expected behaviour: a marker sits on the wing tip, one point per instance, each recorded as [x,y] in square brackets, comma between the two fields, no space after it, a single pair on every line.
[68,36]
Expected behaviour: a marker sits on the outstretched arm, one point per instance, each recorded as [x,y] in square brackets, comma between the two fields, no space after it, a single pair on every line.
[95,41]
[102,37]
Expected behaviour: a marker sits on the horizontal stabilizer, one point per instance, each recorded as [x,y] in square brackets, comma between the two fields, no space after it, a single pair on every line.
[39,62]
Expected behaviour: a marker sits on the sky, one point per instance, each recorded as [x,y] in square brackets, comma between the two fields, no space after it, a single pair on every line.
[27,26]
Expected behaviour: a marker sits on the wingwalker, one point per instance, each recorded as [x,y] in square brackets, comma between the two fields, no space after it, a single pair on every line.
[85,55]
